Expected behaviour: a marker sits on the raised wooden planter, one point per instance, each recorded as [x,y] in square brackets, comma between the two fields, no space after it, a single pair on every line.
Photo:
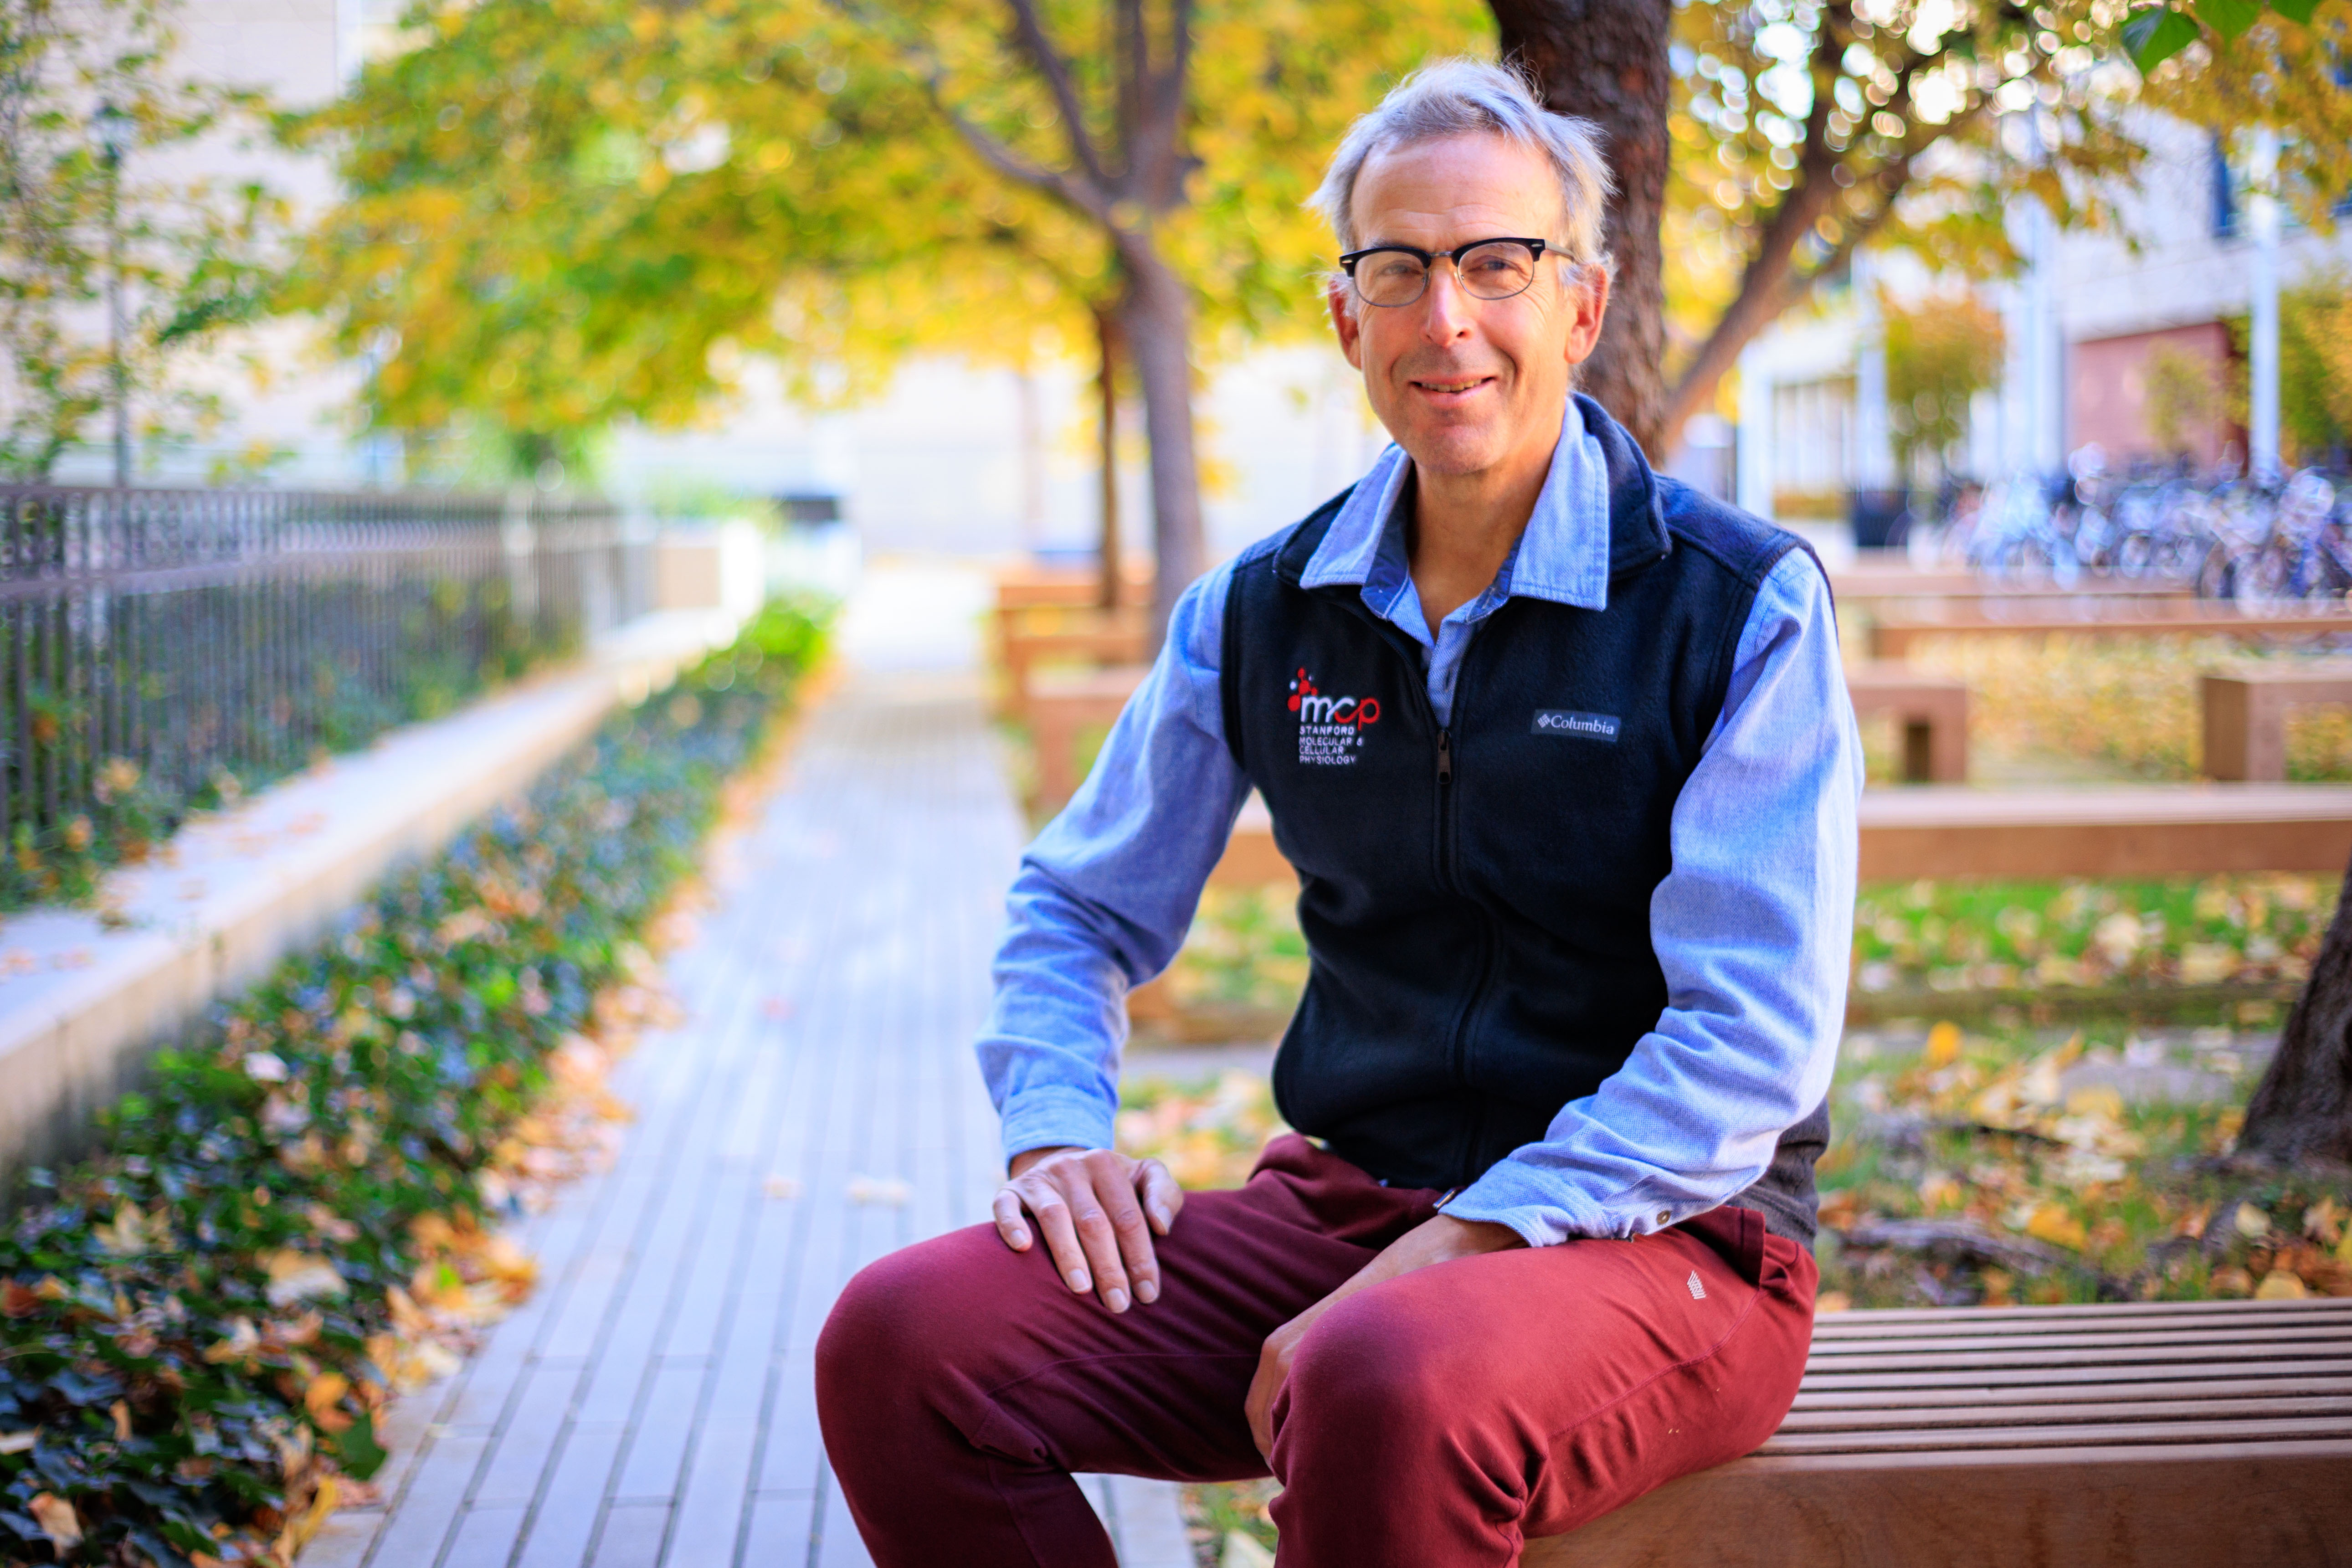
[2245,715]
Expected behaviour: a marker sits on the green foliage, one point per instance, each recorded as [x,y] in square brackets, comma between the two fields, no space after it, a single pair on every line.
[458,639]
[1940,353]
[2316,366]
[194,256]
[563,214]
[2153,34]
[164,1369]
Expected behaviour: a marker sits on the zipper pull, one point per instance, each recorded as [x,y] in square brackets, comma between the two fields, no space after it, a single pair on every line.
[1445,756]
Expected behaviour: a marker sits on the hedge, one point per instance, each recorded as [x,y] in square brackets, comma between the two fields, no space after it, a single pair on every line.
[199,1322]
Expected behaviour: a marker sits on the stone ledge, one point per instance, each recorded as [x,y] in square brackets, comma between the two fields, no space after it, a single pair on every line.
[83,1004]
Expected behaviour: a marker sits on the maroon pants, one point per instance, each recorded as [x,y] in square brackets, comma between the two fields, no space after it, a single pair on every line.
[1432,1421]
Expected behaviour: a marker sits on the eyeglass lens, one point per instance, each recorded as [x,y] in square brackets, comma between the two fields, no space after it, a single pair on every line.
[1492,271]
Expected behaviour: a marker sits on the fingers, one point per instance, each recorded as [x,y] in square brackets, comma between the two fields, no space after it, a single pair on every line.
[1163,1198]
[1097,1211]
[1273,1371]
[1009,1222]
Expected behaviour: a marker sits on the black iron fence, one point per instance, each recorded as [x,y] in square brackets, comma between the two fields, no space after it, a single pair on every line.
[166,650]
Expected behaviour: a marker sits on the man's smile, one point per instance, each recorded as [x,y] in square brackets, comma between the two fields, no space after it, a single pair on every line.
[1449,391]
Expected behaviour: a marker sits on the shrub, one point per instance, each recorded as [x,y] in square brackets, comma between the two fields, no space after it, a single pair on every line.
[194,1322]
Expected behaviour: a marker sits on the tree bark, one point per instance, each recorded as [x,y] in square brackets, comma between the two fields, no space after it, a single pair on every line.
[1605,60]
[1106,387]
[2301,1113]
[1155,325]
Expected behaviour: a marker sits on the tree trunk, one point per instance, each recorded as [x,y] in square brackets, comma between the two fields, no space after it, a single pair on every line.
[1605,60]
[1154,319]
[2302,1110]
[1106,387]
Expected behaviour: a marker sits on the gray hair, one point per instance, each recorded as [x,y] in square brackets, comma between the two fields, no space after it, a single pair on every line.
[1449,98]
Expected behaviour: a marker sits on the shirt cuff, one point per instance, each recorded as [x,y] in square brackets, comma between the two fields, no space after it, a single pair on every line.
[1542,1210]
[1051,1118]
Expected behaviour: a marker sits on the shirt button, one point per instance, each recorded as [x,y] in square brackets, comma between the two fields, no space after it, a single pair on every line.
[1666,1217]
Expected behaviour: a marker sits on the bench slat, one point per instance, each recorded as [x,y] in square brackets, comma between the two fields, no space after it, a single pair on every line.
[1968,1374]
[2218,1408]
[2146,1334]
[1833,1329]
[2050,1436]
[2055,1356]
[1810,1399]
[2030,1318]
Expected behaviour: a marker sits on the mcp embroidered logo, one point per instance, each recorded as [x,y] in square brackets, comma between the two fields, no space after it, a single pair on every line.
[1330,729]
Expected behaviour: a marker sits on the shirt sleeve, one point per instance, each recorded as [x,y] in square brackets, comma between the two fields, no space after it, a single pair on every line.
[1105,896]
[1754,928]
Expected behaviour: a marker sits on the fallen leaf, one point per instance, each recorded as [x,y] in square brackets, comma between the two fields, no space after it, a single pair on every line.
[325,1392]
[18,1442]
[303,1526]
[242,1343]
[265,1067]
[2281,1285]
[781,1187]
[1944,1045]
[2052,1223]
[57,1520]
[889,1190]
[121,1413]
[1834,1302]
[2251,1222]
[297,1275]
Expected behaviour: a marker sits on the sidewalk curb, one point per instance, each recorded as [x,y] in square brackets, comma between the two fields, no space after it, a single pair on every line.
[83,1004]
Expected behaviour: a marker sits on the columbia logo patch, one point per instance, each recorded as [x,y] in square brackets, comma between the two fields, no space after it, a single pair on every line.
[1697,1290]
[1578,726]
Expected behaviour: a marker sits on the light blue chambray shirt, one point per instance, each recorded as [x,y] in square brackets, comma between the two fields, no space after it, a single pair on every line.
[1752,926]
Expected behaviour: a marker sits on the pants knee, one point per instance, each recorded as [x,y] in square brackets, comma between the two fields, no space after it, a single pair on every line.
[893,1327]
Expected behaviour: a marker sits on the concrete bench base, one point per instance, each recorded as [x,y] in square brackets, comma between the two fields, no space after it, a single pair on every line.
[1933,711]
[2246,716]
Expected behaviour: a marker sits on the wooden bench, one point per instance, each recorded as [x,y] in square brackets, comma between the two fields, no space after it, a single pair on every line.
[2143,1435]
[1060,705]
[1951,831]
[1933,711]
[1120,637]
[1892,635]
[2245,715]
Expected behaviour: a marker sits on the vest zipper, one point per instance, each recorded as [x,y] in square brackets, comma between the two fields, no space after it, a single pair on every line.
[1444,756]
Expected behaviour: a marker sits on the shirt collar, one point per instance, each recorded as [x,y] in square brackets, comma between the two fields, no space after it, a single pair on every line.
[1562,556]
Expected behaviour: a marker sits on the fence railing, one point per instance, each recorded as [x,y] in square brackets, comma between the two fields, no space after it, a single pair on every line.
[164,650]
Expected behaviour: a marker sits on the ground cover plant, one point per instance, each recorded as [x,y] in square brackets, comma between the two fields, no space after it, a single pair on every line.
[199,1323]
[2009,1165]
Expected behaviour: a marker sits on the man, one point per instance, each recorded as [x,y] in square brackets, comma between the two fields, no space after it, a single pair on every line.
[1562,751]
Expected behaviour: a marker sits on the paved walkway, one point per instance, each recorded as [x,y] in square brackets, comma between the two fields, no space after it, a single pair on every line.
[652,1406]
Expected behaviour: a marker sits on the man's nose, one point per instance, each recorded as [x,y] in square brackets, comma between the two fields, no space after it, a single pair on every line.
[1447,307]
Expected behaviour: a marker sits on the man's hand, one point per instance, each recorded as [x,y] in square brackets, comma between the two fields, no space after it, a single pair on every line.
[1099,1211]
[1438,1239]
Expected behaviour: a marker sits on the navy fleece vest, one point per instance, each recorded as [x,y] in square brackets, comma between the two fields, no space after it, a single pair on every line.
[1476,898]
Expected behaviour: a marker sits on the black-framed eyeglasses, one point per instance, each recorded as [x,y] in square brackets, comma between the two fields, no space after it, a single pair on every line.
[1392,275]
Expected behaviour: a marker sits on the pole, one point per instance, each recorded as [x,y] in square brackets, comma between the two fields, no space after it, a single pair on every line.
[1106,335]
[2263,347]
[119,380]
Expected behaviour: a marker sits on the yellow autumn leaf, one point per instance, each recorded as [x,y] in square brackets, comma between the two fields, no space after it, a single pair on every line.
[2251,1222]
[297,1275]
[2053,1225]
[1944,1044]
[325,1392]
[303,1526]
[2281,1285]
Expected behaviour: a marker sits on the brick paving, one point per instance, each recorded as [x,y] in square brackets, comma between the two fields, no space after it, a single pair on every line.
[652,1405]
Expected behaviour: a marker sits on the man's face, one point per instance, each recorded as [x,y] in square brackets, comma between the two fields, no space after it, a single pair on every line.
[1466,385]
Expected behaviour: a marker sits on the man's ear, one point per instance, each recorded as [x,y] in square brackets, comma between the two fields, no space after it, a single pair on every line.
[1338,297]
[1591,308]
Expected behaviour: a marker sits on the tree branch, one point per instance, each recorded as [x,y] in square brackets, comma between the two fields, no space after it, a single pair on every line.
[1031,32]
[1087,198]
[1770,283]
